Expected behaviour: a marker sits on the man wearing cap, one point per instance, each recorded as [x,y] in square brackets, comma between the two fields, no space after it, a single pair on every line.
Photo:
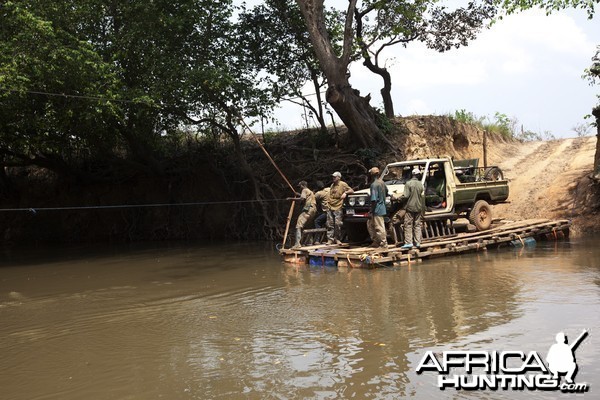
[308,211]
[414,192]
[376,223]
[337,193]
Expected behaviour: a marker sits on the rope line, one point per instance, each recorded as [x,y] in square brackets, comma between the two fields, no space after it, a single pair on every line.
[36,209]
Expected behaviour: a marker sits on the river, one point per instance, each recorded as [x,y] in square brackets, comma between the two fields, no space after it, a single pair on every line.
[231,321]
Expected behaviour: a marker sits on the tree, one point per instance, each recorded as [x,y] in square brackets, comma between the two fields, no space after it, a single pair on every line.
[550,6]
[104,89]
[398,22]
[277,44]
[593,76]
[353,109]
[50,130]
[593,73]
[113,80]
[395,22]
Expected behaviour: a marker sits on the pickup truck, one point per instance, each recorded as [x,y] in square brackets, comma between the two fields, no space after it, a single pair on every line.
[451,191]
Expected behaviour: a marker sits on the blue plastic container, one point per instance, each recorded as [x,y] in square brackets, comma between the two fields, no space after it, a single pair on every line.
[527,242]
[322,261]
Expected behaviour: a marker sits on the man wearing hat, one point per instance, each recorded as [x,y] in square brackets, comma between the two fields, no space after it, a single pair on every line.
[337,193]
[308,211]
[376,223]
[414,192]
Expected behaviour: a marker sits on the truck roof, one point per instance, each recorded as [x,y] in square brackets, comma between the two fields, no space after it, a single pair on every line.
[422,160]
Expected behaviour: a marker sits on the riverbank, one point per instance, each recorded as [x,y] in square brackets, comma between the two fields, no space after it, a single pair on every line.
[549,179]
[206,192]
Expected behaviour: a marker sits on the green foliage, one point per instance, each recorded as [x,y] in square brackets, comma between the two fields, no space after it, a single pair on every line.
[380,24]
[501,124]
[277,42]
[511,6]
[36,58]
[383,122]
[279,46]
[133,75]
[549,6]
[270,135]
[400,22]
[592,75]
[467,117]
[368,156]
[463,115]
[320,139]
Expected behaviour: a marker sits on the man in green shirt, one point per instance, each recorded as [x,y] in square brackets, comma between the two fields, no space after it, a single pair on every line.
[414,192]
[376,223]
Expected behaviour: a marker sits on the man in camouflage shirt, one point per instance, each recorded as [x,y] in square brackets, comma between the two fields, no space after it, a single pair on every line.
[308,211]
[337,193]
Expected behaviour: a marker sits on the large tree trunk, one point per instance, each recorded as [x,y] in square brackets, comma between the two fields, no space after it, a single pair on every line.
[352,109]
[355,111]
[596,173]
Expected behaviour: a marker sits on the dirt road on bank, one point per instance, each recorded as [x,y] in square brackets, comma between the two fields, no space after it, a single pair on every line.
[543,176]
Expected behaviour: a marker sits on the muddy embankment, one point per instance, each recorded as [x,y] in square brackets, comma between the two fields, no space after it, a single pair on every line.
[204,194]
[547,179]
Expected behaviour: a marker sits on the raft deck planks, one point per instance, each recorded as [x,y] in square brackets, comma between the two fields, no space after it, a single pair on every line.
[345,255]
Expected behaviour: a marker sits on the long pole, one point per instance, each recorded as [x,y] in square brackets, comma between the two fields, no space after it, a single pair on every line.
[287,224]
[484,149]
[291,213]
[268,156]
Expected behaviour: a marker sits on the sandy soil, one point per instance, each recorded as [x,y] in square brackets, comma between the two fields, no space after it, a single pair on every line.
[543,177]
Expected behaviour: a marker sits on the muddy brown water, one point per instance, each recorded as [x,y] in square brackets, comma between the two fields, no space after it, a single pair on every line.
[232,321]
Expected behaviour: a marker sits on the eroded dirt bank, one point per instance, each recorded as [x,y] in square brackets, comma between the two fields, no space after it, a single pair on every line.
[547,179]
[550,180]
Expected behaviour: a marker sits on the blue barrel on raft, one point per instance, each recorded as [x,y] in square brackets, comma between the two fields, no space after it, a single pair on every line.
[525,242]
[318,261]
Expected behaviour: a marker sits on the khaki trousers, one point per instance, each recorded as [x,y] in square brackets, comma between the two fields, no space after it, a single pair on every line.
[412,228]
[334,224]
[376,228]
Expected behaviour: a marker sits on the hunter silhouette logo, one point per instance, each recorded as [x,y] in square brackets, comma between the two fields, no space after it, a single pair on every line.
[516,370]
[561,356]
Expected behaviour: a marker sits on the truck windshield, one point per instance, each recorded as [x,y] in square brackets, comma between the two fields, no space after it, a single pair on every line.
[400,174]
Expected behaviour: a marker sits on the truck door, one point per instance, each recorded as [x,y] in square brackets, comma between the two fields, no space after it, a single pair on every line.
[436,192]
[450,185]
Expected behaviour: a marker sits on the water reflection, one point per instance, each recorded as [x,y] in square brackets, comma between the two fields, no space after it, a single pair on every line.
[232,321]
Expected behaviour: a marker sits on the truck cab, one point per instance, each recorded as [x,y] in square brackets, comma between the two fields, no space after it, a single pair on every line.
[446,196]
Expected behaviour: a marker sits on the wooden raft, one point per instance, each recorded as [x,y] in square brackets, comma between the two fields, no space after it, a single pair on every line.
[518,233]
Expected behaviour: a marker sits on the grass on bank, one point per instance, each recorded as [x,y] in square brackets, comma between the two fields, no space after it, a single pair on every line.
[500,123]
[508,127]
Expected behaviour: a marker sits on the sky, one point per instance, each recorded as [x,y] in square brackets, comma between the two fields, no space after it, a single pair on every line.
[528,66]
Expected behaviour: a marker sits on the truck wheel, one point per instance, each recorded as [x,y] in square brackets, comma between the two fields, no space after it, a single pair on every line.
[481,215]
[493,174]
